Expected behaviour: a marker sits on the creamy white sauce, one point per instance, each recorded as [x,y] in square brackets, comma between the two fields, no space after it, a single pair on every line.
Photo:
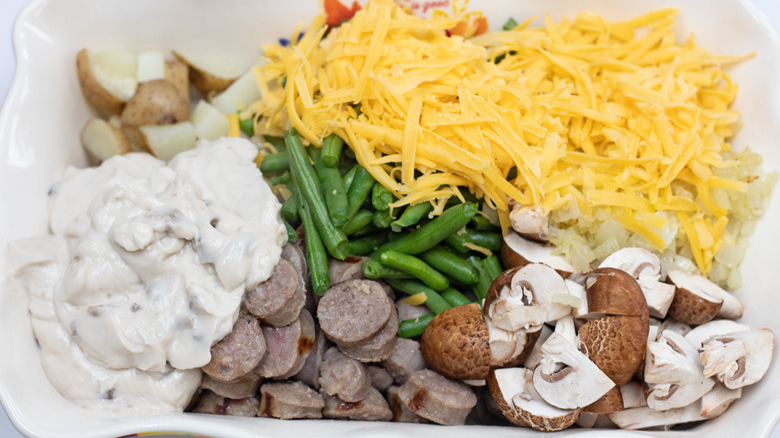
[145,269]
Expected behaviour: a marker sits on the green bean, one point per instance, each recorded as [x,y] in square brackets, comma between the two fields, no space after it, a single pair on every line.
[485,279]
[510,24]
[359,188]
[289,209]
[493,266]
[316,257]
[292,235]
[416,268]
[381,197]
[332,188]
[452,265]
[455,298]
[247,126]
[411,215]
[411,328]
[435,231]
[277,142]
[331,150]
[283,178]
[349,176]
[481,223]
[373,269]
[433,300]
[309,188]
[382,219]
[359,221]
[368,229]
[366,245]
[461,240]
[276,162]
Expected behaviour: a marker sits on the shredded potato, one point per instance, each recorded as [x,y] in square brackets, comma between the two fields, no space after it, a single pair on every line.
[614,125]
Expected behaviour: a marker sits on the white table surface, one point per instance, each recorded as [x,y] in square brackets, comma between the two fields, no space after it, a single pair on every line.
[9,9]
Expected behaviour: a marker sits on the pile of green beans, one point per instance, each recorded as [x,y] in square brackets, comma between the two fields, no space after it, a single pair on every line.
[344,211]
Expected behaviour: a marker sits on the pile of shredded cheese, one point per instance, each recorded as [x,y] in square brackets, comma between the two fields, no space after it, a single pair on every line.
[584,114]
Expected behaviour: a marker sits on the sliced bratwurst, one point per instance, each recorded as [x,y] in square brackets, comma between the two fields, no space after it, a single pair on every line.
[239,352]
[210,403]
[405,360]
[401,412]
[344,377]
[287,400]
[437,398]
[287,347]
[310,372]
[278,300]
[371,408]
[379,347]
[244,387]
[354,311]
[380,378]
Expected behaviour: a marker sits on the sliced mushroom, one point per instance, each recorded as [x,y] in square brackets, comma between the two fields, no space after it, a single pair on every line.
[633,395]
[610,402]
[718,327]
[614,292]
[645,267]
[665,396]
[530,222]
[738,359]
[577,290]
[535,356]
[672,359]
[566,378]
[730,308]
[718,400]
[525,297]
[508,349]
[517,251]
[514,393]
[645,417]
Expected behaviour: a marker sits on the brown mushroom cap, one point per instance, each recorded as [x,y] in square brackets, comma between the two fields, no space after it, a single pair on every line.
[526,418]
[455,343]
[691,308]
[615,292]
[608,403]
[616,344]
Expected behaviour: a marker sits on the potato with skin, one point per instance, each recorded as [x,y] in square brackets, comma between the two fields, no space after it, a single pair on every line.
[94,92]
[177,73]
[102,140]
[201,75]
[157,102]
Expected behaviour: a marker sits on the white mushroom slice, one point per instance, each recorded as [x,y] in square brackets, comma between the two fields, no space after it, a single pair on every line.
[515,246]
[528,300]
[674,326]
[587,420]
[705,332]
[565,328]
[578,290]
[653,330]
[672,359]
[515,394]
[530,222]
[730,309]
[665,396]
[566,378]
[718,400]
[535,356]
[645,417]
[645,267]
[633,395]
[505,345]
[738,359]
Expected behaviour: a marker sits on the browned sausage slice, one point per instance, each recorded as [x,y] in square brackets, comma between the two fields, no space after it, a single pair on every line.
[372,408]
[278,300]
[210,403]
[244,387]
[287,400]
[437,398]
[239,352]
[377,348]
[344,377]
[310,372]
[406,359]
[287,347]
[353,311]
[401,412]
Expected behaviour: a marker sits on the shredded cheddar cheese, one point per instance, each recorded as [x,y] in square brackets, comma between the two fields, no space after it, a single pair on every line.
[587,114]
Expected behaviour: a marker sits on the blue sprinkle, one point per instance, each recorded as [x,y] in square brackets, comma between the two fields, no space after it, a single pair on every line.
[284,42]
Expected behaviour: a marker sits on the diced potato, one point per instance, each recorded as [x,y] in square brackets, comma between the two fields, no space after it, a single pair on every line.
[212,73]
[151,66]
[107,79]
[157,102]
[239,95]
[177,73]
[165,141]
[209,122]
[102,140]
